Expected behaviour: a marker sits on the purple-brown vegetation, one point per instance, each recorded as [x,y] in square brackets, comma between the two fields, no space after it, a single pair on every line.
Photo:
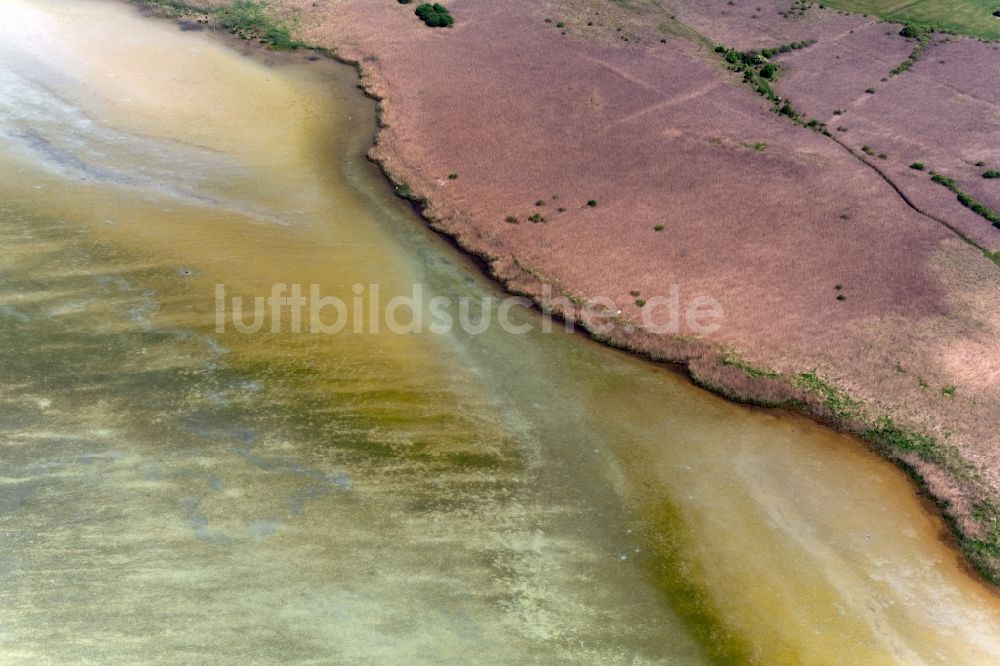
[658,133]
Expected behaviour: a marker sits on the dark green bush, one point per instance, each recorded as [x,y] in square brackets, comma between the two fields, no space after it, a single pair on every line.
[992,173]
[919,166]
[944,180]
[435,16]
[769,70]
[967,201]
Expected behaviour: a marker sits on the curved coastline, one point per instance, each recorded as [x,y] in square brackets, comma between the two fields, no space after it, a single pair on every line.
[938,472]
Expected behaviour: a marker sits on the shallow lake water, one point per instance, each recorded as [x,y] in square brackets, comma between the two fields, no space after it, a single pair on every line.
[170,493]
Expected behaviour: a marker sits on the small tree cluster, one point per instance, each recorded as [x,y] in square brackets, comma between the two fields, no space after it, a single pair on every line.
[435,16]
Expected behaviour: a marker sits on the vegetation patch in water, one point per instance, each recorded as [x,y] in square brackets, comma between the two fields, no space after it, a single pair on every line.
[252,20]
[247,19]
[676,575]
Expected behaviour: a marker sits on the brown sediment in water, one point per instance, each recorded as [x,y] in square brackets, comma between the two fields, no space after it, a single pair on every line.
[660,133]
[452,506]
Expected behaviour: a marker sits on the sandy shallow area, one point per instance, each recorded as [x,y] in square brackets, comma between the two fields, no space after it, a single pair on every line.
[818,263]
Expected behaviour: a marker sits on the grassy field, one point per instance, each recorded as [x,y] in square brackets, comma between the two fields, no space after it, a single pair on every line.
[967,17]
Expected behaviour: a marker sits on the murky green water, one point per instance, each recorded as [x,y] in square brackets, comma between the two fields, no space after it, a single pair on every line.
[169,493]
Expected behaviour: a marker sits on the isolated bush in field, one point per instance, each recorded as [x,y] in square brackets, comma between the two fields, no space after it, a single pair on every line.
[992,173]
[592,203]
[435,16]
[919,166]
[511,219]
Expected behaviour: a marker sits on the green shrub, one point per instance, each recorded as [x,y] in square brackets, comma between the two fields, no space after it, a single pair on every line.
[870,91]
[992,173]
[435,16]
[919,166]
[944,180]
[769,70]
[592,203]
[511,219]
[967,201]
[451,176]
[251,20]
[658,227]
[536,218]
